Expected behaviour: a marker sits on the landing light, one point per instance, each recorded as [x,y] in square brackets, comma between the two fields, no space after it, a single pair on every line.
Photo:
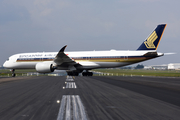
[58,101]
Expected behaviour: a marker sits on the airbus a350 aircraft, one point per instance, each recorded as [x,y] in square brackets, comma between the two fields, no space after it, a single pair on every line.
[77,62]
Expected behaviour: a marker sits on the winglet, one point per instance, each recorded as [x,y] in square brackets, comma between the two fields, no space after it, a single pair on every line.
[62,49]
[152,42]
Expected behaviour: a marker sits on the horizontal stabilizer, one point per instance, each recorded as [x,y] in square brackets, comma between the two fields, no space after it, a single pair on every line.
[169,53]
[151,54]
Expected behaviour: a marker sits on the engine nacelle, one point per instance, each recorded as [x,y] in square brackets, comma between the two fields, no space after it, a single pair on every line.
[44,67]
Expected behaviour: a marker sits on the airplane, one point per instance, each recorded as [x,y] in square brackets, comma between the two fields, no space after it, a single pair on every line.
[83,61]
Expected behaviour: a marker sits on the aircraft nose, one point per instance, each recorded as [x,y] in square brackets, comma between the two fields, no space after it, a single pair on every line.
[5,64]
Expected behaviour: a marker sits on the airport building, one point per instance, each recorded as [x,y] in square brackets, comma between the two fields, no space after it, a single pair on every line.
[174,66]
[170,66]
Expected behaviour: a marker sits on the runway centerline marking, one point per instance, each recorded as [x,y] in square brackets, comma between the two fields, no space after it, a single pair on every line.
[71,108]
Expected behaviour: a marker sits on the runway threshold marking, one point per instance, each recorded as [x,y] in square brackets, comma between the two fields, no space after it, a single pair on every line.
[71,108]
[71,85]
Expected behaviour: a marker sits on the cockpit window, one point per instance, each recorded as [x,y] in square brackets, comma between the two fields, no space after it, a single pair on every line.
[7,60]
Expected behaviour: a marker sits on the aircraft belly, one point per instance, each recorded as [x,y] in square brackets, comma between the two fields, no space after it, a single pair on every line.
[104,65]
[24,65]
[112,64]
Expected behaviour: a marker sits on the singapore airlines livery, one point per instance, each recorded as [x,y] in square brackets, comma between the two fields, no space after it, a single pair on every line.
[81,62]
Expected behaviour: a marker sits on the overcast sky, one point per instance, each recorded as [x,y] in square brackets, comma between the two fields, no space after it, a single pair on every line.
[48,25]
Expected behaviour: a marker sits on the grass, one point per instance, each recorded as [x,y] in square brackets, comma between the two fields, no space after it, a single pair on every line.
[112,72]
[140,72]
[7,72]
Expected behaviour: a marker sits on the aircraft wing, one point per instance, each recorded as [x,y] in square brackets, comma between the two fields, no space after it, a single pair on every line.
[62,60]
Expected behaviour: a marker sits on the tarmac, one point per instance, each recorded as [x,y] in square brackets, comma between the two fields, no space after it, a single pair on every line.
[89,98]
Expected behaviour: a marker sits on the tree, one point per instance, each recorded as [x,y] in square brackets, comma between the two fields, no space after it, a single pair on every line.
[139,66]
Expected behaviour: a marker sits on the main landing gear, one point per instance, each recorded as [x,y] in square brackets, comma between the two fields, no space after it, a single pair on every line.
[77,73]
[13,74]
[87,73]
[73,73]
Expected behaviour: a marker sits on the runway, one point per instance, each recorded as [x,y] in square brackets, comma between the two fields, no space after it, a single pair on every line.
[90,98]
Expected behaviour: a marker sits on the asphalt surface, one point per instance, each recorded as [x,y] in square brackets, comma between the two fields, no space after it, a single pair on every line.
[91,98]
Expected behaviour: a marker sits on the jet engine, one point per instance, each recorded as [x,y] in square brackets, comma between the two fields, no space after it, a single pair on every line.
[44,67]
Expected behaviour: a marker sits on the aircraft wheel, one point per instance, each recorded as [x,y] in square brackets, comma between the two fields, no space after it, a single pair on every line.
[73,73]
[76,74]
[84,73]
[90,73]
[13,75]
[87,73]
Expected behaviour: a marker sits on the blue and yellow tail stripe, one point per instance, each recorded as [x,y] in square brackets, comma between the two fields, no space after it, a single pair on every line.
[152,42]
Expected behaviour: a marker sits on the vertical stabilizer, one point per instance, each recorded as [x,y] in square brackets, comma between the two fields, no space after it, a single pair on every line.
[152,42]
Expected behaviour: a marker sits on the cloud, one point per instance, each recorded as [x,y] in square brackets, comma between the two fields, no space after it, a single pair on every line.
[135,1]
[11,13]
[47,25]
[41,2]
[40,8]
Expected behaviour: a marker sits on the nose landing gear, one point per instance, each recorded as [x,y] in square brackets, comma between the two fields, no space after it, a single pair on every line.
[13,74]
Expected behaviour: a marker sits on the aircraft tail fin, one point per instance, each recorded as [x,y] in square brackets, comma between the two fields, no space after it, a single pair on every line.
[152,42]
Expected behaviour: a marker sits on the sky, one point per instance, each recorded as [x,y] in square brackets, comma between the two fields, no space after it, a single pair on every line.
[85,25]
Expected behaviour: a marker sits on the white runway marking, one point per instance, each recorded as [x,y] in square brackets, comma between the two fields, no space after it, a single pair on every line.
[68,108]
[69,78]
[71,108]
[71,85]
[61,109]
